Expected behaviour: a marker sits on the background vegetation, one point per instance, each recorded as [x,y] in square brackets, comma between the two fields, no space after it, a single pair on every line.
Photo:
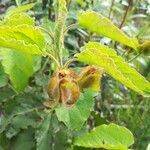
[115,102]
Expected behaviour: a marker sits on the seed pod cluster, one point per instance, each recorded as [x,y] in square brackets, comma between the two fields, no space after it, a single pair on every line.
[65,86]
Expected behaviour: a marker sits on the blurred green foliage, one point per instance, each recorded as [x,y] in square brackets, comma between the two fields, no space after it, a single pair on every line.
[21,114]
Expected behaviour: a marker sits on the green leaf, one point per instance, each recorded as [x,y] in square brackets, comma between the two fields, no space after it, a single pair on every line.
[17,33]
[24,141]
[37,63]
[60,138]
[101,25]
[11,132]
[18,122]
[22,104]
[3,78]
[6,93]
[100,55]
[1,148]
[19,9]
[18,19]
[112,137]
[42,134]
[24,38]
[4,142]
[19,67]
[74,117]
[20,46]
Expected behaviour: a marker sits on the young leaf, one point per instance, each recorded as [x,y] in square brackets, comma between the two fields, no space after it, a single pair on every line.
[18,33]
[19,67]
[111,137]
[25,38]
[18,19]
[75,116]
[42,134]
[20,46]
[18,122]
[24,140]
[19,9]
[100,55]
[59,27]
[99,24]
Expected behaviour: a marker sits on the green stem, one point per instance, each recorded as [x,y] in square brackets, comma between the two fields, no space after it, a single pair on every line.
[134,57]
[54,59]
[124,53]
[44,65]
[72,26]
[48,33]
[70,61]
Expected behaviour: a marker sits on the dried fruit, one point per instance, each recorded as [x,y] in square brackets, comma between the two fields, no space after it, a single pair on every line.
[90,77]
[65,86]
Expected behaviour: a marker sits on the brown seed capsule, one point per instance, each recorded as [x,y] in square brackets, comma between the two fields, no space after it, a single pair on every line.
[63,88]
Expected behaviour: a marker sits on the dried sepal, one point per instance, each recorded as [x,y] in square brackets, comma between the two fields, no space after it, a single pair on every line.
[90,77]
[70,92]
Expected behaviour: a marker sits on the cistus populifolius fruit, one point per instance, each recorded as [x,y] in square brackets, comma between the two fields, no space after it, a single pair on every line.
[65,85]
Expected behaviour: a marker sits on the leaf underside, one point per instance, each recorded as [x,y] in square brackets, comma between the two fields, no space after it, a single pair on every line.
[18,66]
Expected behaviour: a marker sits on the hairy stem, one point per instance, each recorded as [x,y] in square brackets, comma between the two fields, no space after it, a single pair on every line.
[72,26]
[135,57]
[48,33]
[44,65]
[54,59]
[59,29]
[70,61]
